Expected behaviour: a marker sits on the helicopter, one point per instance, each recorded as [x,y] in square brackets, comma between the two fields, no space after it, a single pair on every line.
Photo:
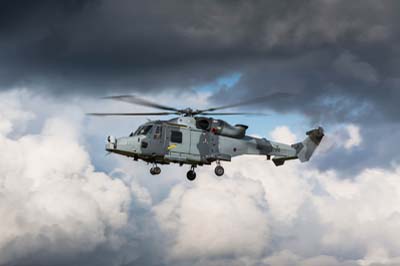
[196,139]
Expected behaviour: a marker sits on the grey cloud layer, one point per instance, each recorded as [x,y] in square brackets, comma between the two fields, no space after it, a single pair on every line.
[340,58]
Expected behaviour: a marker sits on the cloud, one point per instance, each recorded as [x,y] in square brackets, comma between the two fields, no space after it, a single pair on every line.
[55,207]
[283,134]
[346,136]
[303,217]
[11,112]
[287,258]
[215,219]
[348,66]
[183,44]
[355,138]
[350,148]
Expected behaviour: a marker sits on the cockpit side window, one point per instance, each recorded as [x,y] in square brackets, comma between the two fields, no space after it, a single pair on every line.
[145,130]
[137,131]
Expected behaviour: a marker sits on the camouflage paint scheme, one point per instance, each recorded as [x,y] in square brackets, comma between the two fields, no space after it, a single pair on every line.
[199,146]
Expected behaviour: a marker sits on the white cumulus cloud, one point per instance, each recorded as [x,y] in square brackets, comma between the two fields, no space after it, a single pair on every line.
[283,134]
[259,214]
[354,136]
[53,204]
[347,136]
[215,218]
[56,208]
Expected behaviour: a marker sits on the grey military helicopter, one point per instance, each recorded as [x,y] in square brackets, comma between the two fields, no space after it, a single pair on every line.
[196,139]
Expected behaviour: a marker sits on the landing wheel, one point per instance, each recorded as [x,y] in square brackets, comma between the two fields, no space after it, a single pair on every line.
[155,170]
[191,175]
[219,170]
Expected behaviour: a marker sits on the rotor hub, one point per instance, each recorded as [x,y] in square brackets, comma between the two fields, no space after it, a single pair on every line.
[188,112]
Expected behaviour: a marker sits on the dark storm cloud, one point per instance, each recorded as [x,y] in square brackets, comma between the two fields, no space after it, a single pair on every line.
[96,45]
[340,59]
[313,48]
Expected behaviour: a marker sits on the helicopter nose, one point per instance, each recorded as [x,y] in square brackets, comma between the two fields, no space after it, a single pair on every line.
[111,143]
[111,139]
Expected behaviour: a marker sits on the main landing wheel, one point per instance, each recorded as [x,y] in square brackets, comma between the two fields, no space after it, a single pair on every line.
[155,170]
[219,170]
[191,175]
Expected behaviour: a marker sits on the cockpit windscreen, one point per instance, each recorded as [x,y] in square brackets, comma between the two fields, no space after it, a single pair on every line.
[143,130]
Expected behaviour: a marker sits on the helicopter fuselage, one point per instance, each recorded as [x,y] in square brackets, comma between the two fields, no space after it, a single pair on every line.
[195,141]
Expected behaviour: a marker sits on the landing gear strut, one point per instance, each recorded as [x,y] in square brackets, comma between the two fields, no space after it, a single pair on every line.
[155,170]
[191,174]
[219,170]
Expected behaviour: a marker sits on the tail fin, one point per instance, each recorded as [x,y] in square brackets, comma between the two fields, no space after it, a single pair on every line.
[304,149]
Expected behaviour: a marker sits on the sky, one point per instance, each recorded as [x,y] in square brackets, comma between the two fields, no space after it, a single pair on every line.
[64,201]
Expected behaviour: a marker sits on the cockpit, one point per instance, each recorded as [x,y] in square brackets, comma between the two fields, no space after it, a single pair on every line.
[142,130]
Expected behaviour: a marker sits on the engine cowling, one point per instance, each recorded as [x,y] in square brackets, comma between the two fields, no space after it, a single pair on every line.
[221,127]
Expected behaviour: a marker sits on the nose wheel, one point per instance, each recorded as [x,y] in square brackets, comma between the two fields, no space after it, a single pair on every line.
[191,174]
[155,170]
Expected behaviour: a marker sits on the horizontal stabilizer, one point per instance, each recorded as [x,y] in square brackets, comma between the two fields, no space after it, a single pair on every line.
[278,161]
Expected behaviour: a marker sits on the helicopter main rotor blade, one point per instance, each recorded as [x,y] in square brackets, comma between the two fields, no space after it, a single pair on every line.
[266,98]
[131,114]
[135,100]
[243,113]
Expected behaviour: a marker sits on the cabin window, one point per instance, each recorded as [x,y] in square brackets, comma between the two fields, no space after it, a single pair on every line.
[176,136]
